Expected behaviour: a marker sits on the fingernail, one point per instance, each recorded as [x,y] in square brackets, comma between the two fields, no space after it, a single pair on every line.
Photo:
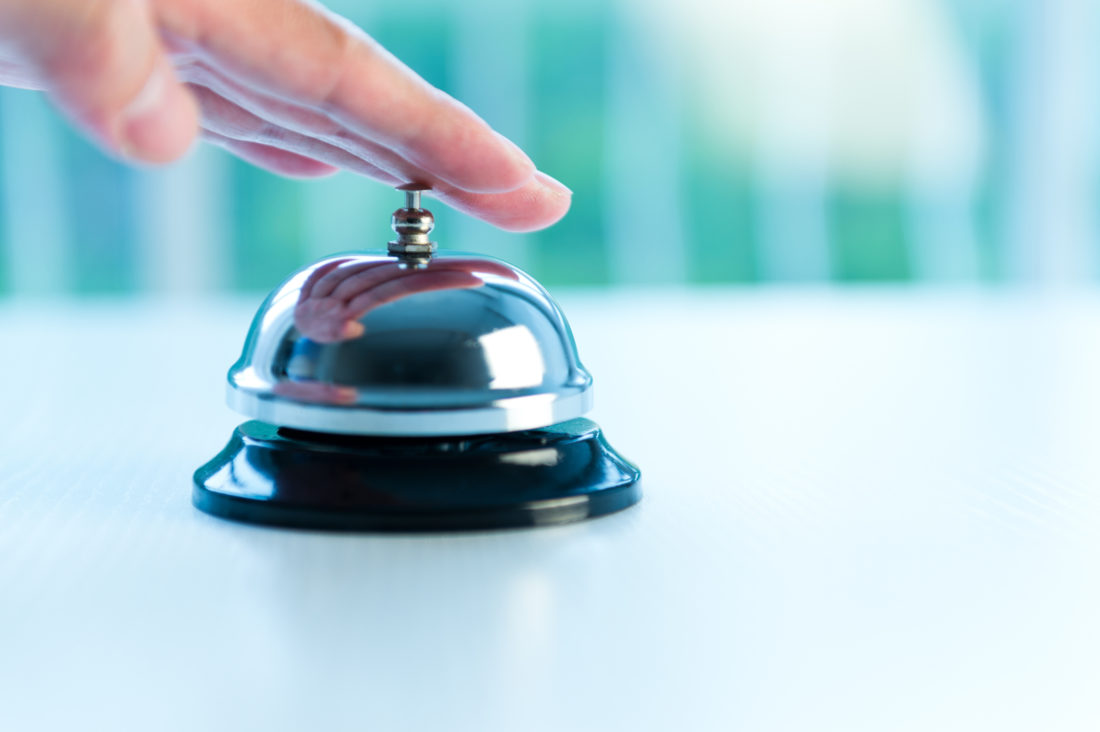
[553,183]
[142,117]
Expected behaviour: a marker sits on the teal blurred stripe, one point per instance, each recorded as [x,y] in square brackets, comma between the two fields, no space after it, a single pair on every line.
[99,195]
[5,275]
[32,194]
[991,39]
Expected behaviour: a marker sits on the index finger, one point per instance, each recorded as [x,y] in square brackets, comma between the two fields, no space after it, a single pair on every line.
[300,51]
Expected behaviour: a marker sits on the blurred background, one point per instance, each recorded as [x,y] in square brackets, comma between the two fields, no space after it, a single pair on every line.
[744,141]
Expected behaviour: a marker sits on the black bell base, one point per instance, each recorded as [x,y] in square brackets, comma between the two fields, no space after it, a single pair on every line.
[284,477]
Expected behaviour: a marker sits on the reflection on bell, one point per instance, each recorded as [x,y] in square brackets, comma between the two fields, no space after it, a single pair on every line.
[410,390]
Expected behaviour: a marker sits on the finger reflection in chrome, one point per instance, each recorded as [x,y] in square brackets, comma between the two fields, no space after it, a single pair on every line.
[338,294]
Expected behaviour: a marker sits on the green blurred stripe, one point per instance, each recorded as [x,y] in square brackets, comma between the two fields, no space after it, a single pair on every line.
[868,232]
[267,227]
[566,139]
[721,234]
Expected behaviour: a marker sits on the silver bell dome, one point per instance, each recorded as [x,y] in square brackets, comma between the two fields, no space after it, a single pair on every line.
[407,343]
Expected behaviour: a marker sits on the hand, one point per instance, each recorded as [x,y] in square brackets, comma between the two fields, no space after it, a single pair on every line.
[284,84]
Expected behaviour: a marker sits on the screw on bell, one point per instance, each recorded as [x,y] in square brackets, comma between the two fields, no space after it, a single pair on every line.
[413,225]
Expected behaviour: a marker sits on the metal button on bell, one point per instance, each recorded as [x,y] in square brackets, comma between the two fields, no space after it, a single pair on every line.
[412,390]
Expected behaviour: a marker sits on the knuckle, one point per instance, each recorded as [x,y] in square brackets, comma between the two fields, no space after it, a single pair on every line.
[332,64]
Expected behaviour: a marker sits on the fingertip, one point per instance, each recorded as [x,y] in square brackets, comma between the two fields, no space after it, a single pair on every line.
[554,186]
[542,202]
[466,153]
[161,122]
[551,203]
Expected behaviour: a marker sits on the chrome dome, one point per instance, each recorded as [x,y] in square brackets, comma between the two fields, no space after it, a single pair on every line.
[374,344]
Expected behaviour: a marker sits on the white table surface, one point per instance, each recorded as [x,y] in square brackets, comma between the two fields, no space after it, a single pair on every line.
[870,511]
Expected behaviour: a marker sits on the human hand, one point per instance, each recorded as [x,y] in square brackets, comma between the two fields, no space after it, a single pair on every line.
[284,84]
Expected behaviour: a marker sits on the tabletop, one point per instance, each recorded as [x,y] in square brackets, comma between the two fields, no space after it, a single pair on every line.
[864,510]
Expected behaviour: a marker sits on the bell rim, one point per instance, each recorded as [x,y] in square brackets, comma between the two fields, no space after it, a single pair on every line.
[512,414]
